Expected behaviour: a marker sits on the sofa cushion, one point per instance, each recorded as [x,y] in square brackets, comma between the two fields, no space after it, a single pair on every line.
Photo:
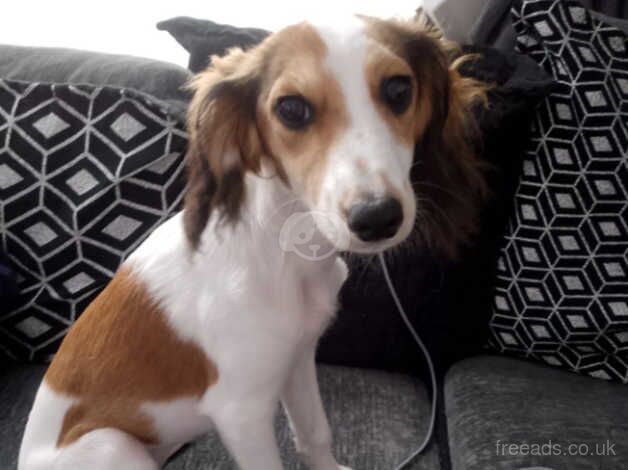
[46,64]
[204,38]
[18,385]
[377,419]
[493,24]
[492,402]
[8,282]
[562,284]
[86,173]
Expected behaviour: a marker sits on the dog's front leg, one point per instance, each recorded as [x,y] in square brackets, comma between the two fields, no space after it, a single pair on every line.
[302,402]
[247,431]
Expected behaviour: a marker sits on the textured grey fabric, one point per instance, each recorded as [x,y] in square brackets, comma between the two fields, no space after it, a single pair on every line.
[18,385]
[56,65]
[377,418]
[494,400]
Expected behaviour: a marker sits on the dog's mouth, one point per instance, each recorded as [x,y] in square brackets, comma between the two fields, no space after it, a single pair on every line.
[361,247]
[366,242]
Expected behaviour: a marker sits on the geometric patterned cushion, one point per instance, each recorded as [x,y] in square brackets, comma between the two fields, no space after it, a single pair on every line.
[86,173]
[562,289]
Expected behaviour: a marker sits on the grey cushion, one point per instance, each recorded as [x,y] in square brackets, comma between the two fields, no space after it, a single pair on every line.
[493,400]
[18,385]
[161,80]
[377,419]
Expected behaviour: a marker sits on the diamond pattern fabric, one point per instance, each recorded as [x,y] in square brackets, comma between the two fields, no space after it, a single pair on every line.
[562,289]
[86,173]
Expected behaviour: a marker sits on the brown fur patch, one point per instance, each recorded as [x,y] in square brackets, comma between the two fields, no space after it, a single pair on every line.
[224,142]
[297,68]
[428,62]
[119,354]
[446,175]
[233,127]
[382,63]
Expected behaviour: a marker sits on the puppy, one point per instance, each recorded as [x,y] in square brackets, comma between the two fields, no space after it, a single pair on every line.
[215,318]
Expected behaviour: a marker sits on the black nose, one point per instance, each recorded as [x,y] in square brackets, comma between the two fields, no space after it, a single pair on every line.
[375,219]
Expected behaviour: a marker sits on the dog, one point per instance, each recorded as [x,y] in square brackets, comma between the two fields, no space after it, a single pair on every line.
[215,318]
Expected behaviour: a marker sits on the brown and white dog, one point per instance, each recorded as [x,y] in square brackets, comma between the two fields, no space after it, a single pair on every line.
[212,321]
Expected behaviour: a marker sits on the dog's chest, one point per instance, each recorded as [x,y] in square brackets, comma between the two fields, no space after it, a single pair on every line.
[250,306]
[295,302]
[319,296]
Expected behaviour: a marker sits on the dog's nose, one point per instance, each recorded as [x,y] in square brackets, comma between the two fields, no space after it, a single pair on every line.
[375,219]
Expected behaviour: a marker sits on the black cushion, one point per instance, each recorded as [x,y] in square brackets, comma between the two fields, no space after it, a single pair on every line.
[492,402]
[203,38]
[8,282]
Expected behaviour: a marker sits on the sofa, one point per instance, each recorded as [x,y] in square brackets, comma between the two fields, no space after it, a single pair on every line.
[496,407]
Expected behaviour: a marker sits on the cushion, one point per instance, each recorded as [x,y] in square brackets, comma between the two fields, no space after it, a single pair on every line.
[86,173]
[161,80]
[562,290]
[203,38]
[8,281]
[493,26]
[377,419]
[493,402]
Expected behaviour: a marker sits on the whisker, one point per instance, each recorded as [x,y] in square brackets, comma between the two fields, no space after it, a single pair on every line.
[442,212]
[458,197]
[369,260]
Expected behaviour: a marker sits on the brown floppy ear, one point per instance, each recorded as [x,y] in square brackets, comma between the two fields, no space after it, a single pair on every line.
[446,174]
[224,139]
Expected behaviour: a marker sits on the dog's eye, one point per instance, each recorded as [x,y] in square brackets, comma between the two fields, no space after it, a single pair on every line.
[294,112]
[396,92]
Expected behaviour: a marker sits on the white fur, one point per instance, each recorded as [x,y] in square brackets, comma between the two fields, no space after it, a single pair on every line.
[44,424]
[255,308]
[368,138]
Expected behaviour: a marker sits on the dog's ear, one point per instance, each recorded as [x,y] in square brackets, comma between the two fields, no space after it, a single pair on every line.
[224,139]
[447,171]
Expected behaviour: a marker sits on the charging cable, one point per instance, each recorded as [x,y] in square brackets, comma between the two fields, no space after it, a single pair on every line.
[430,430]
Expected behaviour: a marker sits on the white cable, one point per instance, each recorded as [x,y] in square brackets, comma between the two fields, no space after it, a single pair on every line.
[430,430]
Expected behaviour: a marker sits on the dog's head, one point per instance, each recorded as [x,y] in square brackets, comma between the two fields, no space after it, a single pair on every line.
[368,122]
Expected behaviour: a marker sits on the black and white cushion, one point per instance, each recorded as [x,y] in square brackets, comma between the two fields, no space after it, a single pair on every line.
[86,173]
[562,291]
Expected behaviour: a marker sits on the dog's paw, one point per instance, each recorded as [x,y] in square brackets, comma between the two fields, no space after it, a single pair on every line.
[342,467]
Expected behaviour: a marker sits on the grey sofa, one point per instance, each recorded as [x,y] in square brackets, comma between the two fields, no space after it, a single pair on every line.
[378,418]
